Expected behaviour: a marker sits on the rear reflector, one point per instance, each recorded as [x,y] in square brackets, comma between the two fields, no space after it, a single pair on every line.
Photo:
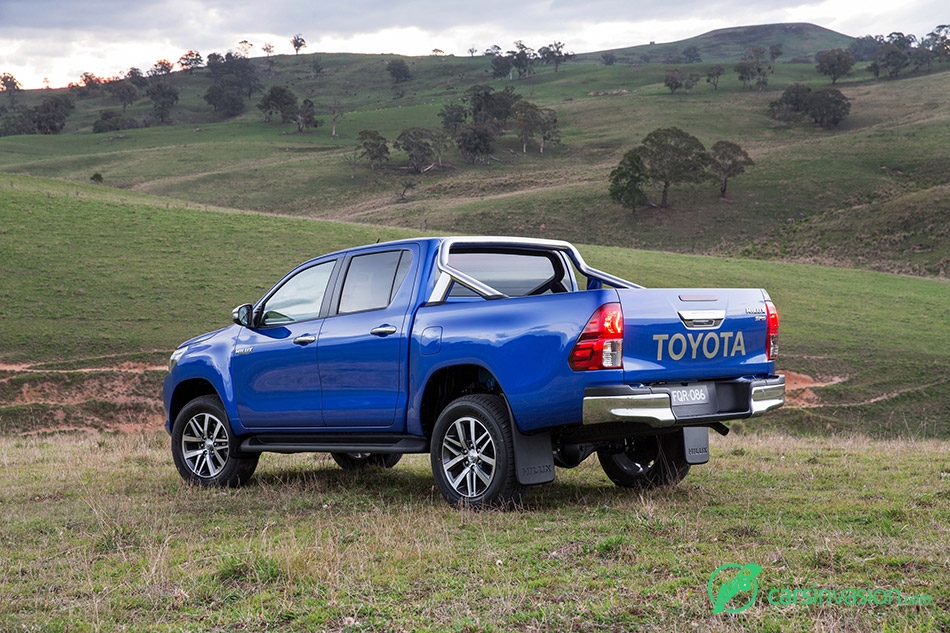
[600,345]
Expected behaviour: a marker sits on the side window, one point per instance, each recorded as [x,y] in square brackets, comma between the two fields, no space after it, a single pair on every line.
[373,280]
[300,298]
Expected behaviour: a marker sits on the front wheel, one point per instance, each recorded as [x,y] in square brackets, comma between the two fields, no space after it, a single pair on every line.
[204,447]
[361,461]
[646,462]
[472,453]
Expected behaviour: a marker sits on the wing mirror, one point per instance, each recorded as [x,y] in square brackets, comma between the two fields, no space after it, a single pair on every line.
[242,315]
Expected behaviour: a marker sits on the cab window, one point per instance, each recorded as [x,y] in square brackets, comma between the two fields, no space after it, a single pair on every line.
[372,280]
[300,297]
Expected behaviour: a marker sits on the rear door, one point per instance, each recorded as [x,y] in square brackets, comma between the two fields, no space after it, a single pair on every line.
[362,350]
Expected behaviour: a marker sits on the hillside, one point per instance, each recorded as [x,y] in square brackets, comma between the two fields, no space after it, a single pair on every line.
[797,40]
[891,155]
[99,285]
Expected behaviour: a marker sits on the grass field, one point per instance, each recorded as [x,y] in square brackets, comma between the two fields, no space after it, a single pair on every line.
[101,535]
[850,489]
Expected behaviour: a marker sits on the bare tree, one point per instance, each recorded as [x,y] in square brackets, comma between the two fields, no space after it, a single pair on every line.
[298,42]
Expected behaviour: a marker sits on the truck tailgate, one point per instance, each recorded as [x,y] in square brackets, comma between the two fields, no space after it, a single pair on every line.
[691,335]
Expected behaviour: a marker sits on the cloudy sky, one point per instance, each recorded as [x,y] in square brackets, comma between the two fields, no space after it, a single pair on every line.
[58,40]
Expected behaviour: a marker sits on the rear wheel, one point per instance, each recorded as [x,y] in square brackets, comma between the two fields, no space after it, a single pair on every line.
[204,447]
[360,461]
[646,462]
[472,453]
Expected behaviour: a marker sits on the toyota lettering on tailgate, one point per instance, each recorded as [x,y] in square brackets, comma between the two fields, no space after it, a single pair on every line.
[709,344]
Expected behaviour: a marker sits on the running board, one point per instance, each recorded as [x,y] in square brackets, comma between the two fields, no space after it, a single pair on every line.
[331,443]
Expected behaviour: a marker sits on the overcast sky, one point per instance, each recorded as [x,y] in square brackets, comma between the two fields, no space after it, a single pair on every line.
[60,39]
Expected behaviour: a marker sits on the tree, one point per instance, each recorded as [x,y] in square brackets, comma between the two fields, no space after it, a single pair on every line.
[475,141]
[554,54]
[790,103]
[372,147]
[500,66]
[226,96]
[453,115]
[775,51]
[279,100]
[10,85]
[526,116]
[522,58]
[548,131]
[268,49]
[713,73]
[674,79]
[864,48]
[161,68]
[692,55]
[50,116]
[124,92]
[245,47]
[890,59]
[191,60]
[399,70]
[164,96]
[244,71]
[307,116]
[137,78]
[827,107]
[416,142]
[298,42]
[835,63]
[335,110]
[672,156]
[727,160]
[627,181]
[609,59]
[472,51]
[753,71]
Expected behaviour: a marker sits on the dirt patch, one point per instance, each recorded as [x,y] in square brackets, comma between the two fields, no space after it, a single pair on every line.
[123,398]
[799,389]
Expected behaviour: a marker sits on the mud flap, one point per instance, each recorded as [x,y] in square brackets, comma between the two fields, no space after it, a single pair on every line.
[534,457]
[696,444]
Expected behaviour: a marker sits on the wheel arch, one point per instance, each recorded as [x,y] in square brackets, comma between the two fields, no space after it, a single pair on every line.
[185,392]
[449,383]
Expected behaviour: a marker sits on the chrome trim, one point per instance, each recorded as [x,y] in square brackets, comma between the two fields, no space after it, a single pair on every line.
[705,319]
[768,395]
[652,408]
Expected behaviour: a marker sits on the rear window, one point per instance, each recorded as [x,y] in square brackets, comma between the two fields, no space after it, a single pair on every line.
[516,274]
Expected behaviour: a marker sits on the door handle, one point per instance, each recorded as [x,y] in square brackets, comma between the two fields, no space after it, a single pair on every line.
[306,339]
[383,330]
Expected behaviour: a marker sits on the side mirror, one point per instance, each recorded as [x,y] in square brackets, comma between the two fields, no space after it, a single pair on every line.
[241,315]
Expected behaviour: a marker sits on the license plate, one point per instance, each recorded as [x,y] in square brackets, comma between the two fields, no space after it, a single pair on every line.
[689,395]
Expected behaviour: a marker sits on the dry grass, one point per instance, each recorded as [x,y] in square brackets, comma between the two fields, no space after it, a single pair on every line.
[99,534]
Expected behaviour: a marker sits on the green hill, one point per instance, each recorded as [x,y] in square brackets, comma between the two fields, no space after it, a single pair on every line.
[868,193]
[798,41]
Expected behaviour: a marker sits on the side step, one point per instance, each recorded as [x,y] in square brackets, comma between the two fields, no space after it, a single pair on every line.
[335,443]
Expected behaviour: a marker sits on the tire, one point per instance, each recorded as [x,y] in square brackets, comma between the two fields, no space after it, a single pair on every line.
[205,449]
[472,454]
[361,461]
[646,462]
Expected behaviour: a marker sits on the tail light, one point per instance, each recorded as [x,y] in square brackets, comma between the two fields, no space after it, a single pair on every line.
[771,341]
[600,345]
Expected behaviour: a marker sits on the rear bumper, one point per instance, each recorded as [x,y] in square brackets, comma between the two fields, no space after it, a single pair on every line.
[737,399]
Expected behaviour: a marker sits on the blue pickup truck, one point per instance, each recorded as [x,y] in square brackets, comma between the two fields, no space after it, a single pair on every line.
[502,358]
